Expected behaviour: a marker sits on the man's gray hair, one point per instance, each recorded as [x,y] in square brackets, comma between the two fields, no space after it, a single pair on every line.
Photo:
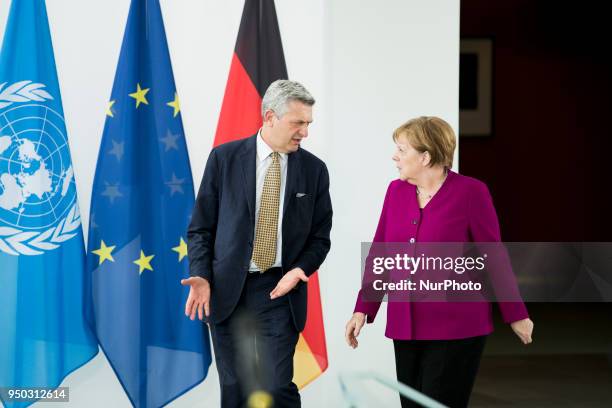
[280,93]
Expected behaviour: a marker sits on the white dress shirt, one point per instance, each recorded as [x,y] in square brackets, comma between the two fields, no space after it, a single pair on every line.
[262,163]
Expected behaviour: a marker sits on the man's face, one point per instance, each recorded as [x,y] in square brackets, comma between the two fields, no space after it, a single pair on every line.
[287,132]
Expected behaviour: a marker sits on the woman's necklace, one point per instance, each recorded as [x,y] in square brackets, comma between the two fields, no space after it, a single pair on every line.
[429,196]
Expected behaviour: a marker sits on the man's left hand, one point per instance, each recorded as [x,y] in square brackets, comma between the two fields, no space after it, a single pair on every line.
[288,282]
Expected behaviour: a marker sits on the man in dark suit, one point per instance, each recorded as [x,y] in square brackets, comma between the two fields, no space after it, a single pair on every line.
[259,228]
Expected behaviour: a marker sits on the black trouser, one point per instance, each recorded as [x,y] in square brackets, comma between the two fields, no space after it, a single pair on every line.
[254,347]
[444,370]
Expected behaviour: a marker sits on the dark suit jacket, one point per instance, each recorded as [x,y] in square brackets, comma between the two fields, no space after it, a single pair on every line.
[223,222]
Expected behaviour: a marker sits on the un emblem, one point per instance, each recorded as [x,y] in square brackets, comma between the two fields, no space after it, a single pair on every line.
[38,202]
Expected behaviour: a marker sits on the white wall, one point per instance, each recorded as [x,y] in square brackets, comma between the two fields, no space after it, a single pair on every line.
[370,64]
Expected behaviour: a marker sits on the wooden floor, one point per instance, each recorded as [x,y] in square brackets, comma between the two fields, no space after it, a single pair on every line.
[544,381]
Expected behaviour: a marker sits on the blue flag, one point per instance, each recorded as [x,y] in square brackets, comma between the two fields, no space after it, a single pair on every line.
[141,205]
[45,303]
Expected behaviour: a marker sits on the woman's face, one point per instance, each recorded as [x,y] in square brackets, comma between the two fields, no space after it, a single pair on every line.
[408,160]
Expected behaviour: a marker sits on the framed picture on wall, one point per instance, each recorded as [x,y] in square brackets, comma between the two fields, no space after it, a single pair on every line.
[476,86]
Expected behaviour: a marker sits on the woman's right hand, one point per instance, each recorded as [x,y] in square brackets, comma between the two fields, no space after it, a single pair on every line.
[353,327]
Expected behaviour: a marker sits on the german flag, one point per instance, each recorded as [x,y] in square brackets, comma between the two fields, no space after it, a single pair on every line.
[258,61]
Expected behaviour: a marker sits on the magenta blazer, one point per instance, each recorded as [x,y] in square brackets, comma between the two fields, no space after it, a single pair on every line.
[461,211]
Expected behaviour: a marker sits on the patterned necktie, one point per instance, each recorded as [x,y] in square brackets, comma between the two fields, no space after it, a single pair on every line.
[264,253]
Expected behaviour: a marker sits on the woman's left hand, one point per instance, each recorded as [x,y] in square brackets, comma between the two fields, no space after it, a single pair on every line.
[523,329]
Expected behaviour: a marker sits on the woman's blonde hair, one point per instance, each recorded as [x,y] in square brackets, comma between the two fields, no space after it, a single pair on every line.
[430,134]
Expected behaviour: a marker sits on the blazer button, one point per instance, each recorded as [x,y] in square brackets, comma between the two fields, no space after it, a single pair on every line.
[415,221]
[412,240]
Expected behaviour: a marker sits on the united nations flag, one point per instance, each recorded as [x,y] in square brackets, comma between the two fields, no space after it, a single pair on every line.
[141,204]
[44,301]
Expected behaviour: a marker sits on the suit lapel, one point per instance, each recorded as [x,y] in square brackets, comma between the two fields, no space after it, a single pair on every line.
[247,162]
[293,165]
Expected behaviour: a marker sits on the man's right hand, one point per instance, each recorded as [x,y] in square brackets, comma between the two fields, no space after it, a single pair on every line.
[199,297]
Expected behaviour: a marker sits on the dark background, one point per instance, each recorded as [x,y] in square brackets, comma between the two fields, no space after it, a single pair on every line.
[547,167]
[547,162]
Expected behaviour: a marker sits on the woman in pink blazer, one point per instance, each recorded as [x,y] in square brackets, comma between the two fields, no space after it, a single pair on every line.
[437,345]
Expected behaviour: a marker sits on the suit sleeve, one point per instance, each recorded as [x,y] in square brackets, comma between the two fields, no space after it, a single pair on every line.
[318,242]
[203,226]
[367,302]
[484,227]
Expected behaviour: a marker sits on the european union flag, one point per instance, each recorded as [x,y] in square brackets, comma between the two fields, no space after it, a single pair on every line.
[141,204]
[44,296]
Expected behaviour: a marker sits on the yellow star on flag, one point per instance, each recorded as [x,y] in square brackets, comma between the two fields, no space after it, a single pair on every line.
[105,252]
[175,104]
[144,262]
[109,109]
[181,249]
[140,95]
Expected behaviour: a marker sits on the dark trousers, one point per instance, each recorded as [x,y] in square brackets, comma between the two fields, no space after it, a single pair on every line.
[254,347]
[444,370]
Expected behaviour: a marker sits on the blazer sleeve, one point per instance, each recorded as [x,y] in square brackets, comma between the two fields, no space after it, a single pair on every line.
[484,227]
[318,242]
[371,306]
[203,226]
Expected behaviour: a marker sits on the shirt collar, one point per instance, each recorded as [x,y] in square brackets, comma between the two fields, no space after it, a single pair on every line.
[263,150]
